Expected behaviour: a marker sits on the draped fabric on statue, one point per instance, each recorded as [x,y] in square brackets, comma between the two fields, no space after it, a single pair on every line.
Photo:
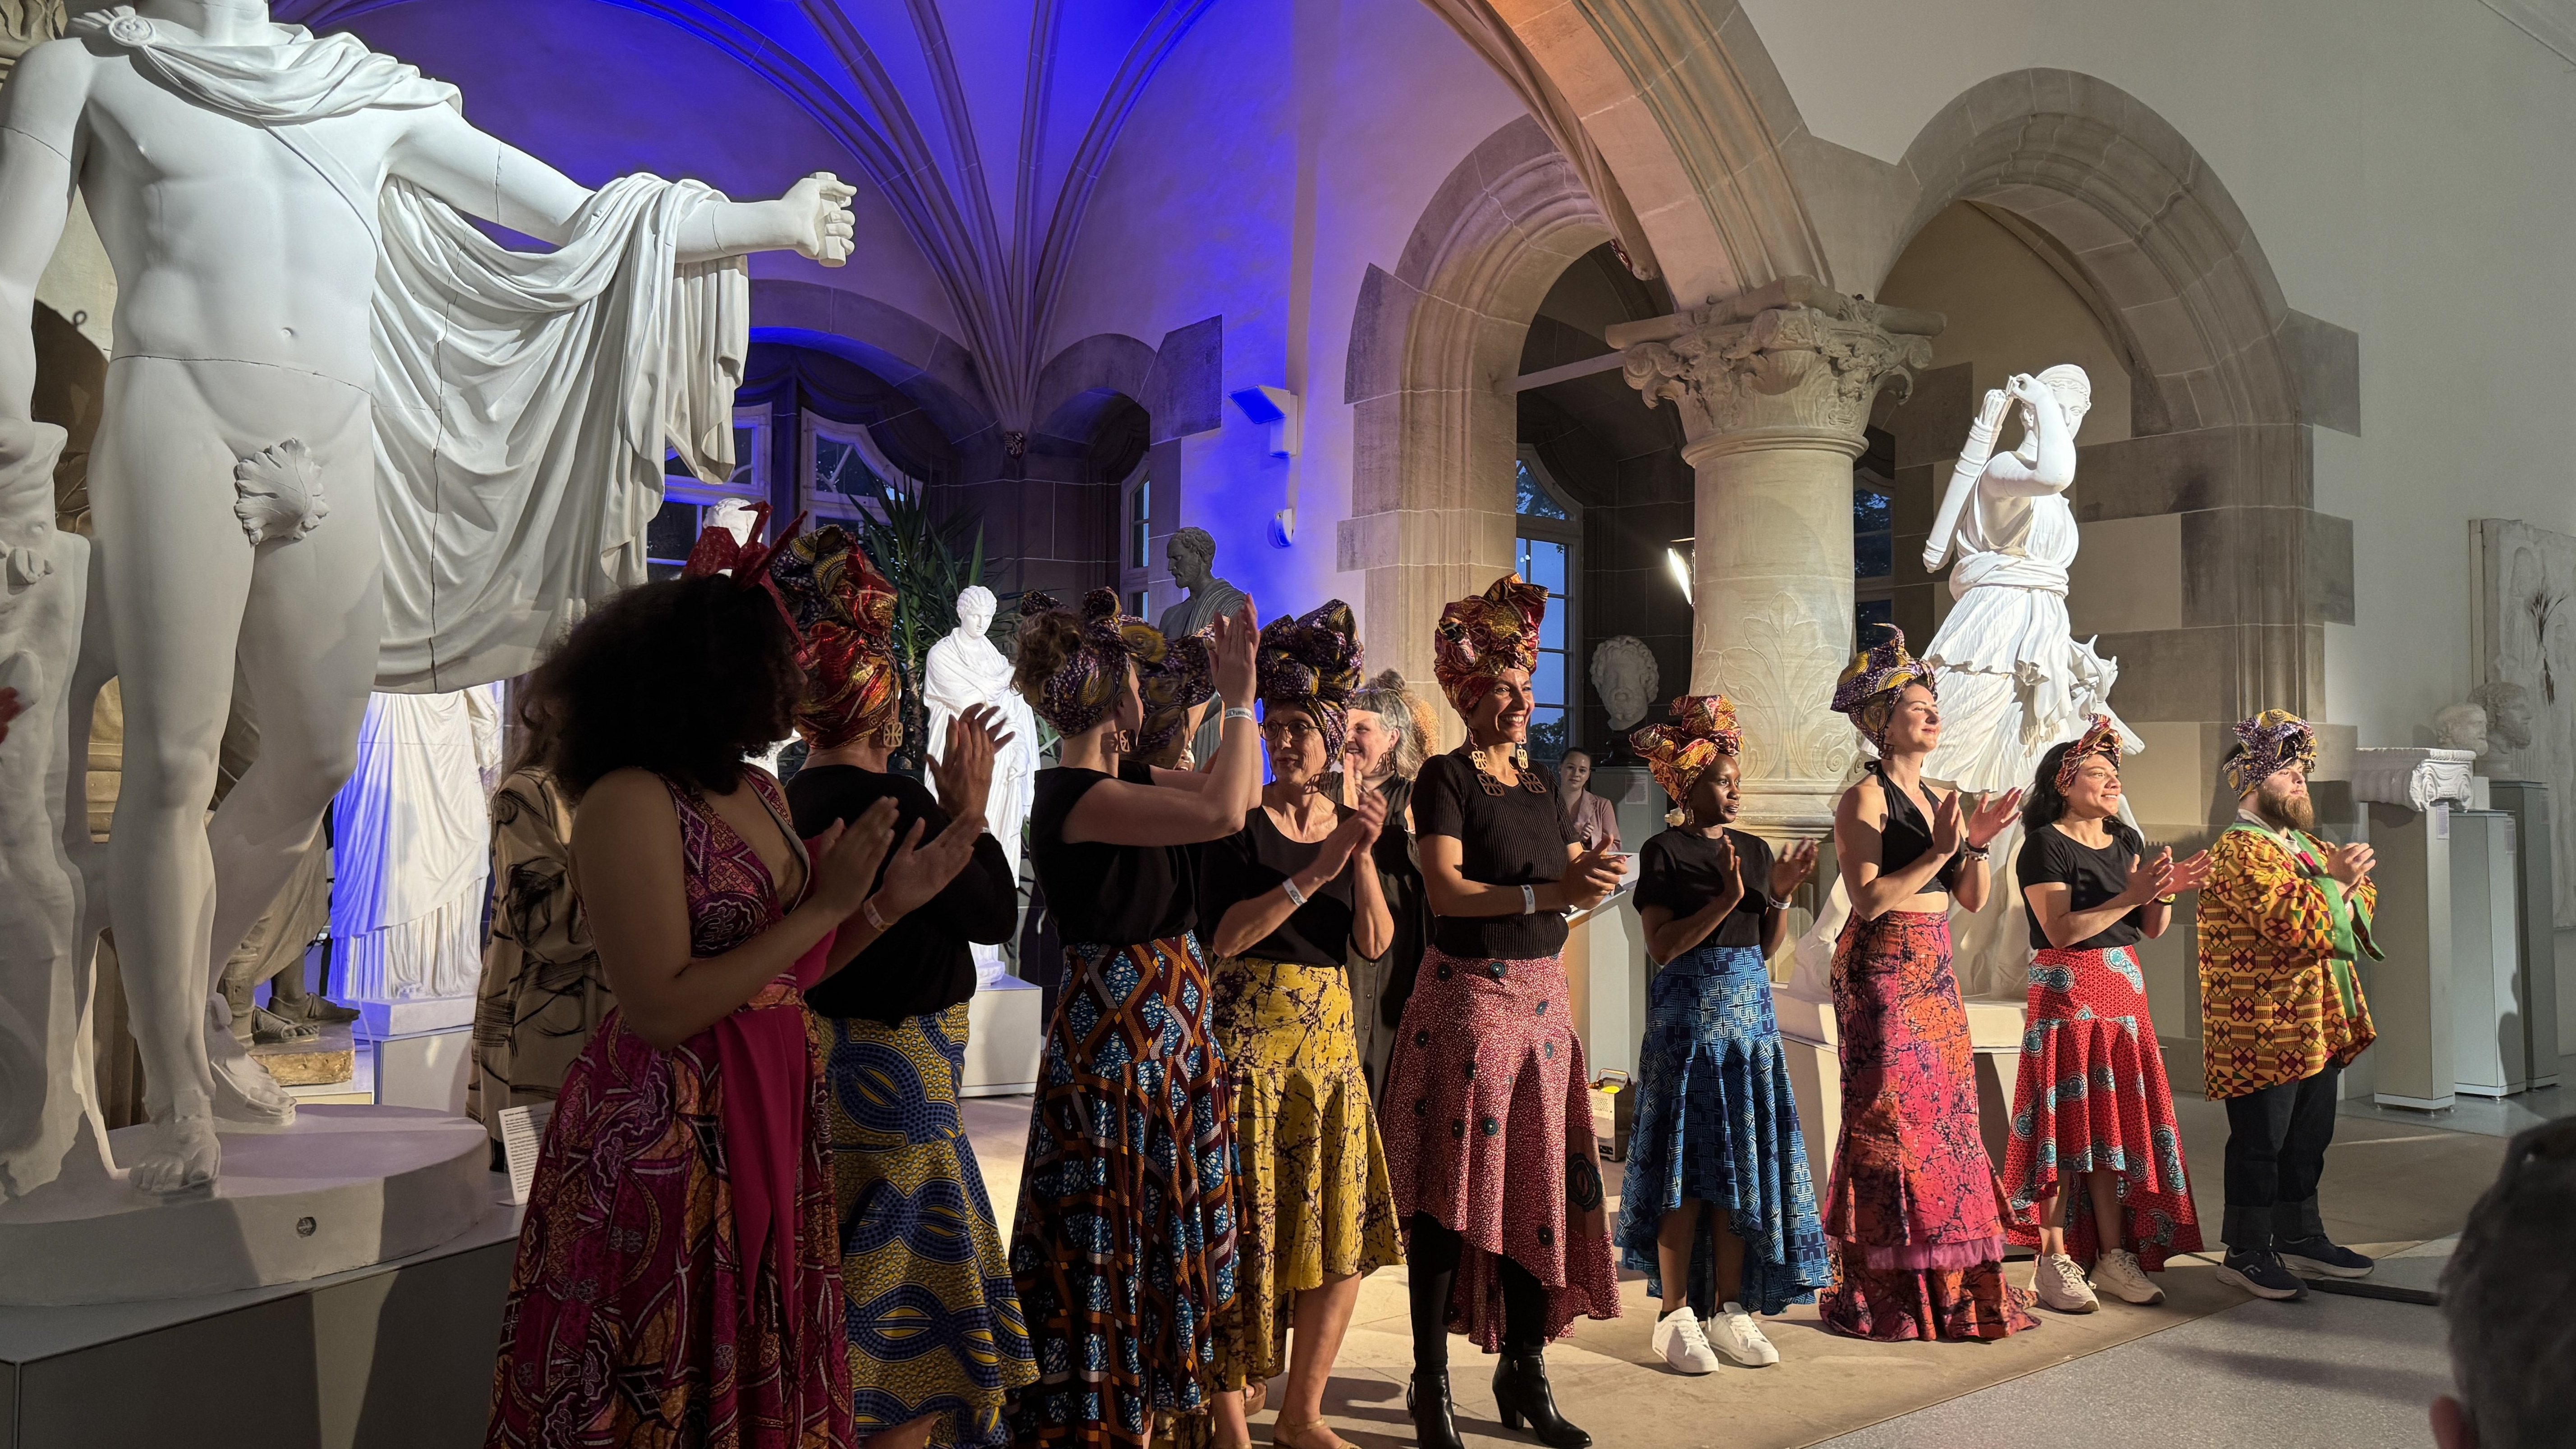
[522,400]
[410,848]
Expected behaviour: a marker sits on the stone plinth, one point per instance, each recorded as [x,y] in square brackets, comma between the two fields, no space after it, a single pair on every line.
[342,1188]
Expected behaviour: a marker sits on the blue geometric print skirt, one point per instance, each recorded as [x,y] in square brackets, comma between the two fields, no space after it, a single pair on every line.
[934,1324]
[1716,1121]
[1124,1248]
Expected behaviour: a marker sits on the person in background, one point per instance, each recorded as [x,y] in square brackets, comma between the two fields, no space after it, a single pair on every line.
[1595,819]
[1295,897]
[2505,1294]
[1911,1211]
[918,1239]
[2283,917]
[1123,1250]
[2090,1100]
[678,1270]
[1488,1110]
[1387,740]
[1718,1210]
[543,993]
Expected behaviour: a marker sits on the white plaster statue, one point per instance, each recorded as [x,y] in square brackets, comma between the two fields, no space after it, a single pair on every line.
[1191,556]
[411,840]
[1625,676]
[345,434]
[2014,680]
[2461,726]
[964,670]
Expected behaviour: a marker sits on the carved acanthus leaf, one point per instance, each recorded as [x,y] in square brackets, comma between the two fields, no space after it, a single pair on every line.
[1811,367]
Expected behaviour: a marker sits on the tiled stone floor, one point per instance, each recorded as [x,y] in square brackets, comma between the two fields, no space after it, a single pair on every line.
[2347,1372]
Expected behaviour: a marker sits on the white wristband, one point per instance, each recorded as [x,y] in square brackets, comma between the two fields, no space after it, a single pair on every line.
[1529,900]
[1237,711]
[1296,897]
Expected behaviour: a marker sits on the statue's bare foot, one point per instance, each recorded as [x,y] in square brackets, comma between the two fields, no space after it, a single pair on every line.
[181,1160]
[245,1094]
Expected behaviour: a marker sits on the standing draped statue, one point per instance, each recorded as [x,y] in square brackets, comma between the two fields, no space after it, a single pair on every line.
[346,437]
[2013,679]
[965,670]
[1191,556]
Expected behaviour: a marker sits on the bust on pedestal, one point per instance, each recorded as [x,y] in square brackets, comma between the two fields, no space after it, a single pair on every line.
[1191,556]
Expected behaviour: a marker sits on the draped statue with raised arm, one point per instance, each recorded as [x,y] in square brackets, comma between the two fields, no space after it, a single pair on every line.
[962,671]
[347,440]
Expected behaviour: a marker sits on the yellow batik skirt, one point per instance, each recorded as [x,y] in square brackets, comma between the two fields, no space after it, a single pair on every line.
[934,1323]
[1312,1201]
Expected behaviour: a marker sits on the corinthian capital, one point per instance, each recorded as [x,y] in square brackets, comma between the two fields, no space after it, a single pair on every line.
[1793,360]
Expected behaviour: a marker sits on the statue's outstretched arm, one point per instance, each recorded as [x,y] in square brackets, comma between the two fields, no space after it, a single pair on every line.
[40,112]
[485,177]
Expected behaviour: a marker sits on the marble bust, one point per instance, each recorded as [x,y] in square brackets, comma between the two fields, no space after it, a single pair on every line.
[2508,715]
[1191,556]
[2461,726]
[1625,676]
[300,213]
[964,670]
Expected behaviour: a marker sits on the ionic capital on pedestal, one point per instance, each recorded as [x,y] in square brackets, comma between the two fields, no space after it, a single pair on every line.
[1791,365]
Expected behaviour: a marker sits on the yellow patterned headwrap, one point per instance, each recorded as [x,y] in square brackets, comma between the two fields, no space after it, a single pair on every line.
[1703,727]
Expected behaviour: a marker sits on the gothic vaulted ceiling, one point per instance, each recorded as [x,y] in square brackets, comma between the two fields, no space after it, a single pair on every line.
[984,122]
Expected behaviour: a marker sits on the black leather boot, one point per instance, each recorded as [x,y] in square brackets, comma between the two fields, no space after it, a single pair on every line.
[1428,1398]
[1521,1393]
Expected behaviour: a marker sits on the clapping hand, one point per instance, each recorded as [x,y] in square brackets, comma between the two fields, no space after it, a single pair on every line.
[2150,880]
[1790,871]
[2351,864]
[1370,816]
[1988,817]
[845,858]
[2190,875]
[1238,636]
[915,872]
[825,227]
[964,771]
[1730,874]
[1590,878]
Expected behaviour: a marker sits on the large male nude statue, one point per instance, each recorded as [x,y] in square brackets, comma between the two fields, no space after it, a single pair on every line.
[237,506]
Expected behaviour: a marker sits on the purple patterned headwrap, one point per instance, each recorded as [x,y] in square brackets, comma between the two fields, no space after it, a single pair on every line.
[1868,689]
[2274,739]
[1311,663]
[1085,685]
[1180,678]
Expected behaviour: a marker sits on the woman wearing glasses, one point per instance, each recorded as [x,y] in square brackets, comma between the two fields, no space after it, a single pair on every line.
[1292,894]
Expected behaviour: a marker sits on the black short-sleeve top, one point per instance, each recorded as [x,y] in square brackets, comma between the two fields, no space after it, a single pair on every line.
[1104,894]
[1678,870]
[922,964]
[1251,863]
[2092,877]
[1514,838]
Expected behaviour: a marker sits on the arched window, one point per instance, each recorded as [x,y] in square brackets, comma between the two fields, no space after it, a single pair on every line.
[1549,553]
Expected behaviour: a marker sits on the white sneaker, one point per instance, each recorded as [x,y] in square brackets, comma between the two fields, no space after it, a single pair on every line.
[1684,1347]
[1738,1335]
[2119,1272]
[2060,1284]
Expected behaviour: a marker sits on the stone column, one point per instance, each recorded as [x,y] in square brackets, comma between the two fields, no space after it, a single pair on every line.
[1775,386]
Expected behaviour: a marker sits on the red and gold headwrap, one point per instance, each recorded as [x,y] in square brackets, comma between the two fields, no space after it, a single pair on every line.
[844,611]
[717,552]
[1311,663]
[1703,727]
[1867,691]
[1479,639]
[2101,737]
[2274,739]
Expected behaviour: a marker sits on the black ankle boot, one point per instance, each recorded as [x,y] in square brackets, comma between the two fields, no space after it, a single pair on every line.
[1521,1392]
[1428,1398]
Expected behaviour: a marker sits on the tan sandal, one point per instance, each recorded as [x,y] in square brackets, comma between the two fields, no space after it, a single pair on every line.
[1293,1436]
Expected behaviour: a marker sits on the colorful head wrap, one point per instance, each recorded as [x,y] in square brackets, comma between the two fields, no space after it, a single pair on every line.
[1703,727]
[1311,663]
[1481,638]
[1869,686]
[1085,684]
[844,610]
[719,551]
[2100,737]
[1182,677]
[2273,740]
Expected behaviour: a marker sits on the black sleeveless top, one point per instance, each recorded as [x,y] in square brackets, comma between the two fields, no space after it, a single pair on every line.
[1104,894]
[1907,835]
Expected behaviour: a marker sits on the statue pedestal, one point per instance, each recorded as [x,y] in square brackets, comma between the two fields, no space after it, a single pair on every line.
[1005,1031]
[341,1189]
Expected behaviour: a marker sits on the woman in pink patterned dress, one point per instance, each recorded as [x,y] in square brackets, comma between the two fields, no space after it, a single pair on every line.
[677,1281]
[1913,1214]
[1487,1116]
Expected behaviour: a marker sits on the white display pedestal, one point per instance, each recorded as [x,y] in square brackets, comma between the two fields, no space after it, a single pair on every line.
[397,1355]
[1606,976]
[2410,987]
[340,1189]
[420,1052]
[1005,1028]
[2487,1042]
[1813,1039]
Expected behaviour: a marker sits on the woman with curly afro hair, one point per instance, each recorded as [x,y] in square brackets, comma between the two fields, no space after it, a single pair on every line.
[679,1261]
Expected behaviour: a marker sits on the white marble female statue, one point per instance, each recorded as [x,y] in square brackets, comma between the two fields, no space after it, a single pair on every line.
[963,671]
[2013,679]
[301,459]
[411,846]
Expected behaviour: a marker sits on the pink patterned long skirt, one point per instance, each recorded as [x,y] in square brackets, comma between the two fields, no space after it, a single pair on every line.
[1914,1215]
[1488,1127]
